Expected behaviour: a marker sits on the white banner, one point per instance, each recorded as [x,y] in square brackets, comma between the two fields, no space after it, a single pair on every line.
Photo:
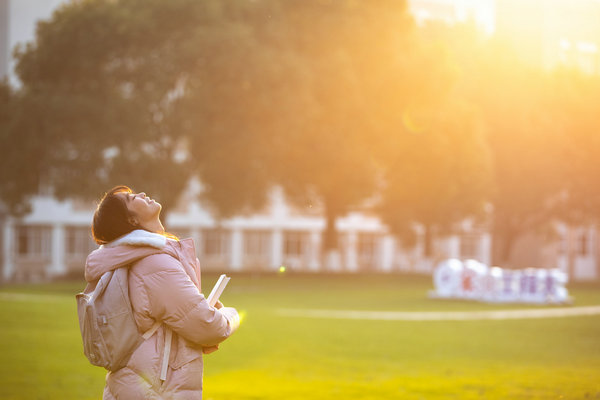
[455,279]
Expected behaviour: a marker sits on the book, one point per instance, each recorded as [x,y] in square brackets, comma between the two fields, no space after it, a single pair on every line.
[214,295]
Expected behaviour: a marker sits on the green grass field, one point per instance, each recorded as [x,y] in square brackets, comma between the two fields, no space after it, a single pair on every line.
[286,358]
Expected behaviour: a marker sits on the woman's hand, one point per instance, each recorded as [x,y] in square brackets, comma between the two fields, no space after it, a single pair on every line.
[218,305]
[210,349]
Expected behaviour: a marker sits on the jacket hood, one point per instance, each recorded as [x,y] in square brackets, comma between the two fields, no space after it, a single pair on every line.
[125,250]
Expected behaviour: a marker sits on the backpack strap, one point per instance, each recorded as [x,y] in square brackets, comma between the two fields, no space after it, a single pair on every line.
[151,331]
[168,338]
[167,350]
[166,354]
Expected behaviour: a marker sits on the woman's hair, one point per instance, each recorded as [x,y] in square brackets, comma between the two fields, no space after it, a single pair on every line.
[111,219]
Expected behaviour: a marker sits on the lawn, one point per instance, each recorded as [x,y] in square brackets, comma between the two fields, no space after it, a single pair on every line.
[274,356]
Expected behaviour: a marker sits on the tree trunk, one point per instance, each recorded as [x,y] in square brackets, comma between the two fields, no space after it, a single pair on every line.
[503,241]
[571,252]
[507,245]
[2,238]
[330,235]
[331,257]
[428,242]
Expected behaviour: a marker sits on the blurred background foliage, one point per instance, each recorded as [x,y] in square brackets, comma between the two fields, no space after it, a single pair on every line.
[344,104]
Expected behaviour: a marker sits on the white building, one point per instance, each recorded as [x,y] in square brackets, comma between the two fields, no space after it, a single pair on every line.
[54,240]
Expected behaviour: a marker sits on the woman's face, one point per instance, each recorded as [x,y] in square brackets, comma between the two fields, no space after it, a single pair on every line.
[141,207]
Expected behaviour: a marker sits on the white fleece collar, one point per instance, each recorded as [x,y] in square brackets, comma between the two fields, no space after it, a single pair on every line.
[140,237]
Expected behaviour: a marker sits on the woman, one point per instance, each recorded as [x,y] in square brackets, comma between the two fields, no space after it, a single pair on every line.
[164,287]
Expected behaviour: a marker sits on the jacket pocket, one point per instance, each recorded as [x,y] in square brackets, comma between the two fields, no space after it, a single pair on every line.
[185,354]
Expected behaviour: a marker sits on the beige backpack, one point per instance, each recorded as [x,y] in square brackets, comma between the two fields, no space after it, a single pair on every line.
[108,329]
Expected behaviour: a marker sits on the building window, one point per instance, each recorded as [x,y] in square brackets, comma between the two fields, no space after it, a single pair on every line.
[294,244]
[216,242]
[469,246]
[367,246]
[562,244]
[367,249]
[257,243]
[78,241]
[33,242]
[583,244]
[296,249]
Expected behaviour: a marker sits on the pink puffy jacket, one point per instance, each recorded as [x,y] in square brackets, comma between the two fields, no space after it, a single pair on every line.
[163,286]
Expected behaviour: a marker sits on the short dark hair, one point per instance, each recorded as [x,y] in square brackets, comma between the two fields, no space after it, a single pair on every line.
[111,218]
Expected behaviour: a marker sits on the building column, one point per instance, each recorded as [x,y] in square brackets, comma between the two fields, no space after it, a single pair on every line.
[571,251]
[594,251]
[314,263]
[453,247]
[57,267]
[485,249]
[9,250]
[197,238]
[563,248]
[352,252]
[593,270]
[387,253]
[237,249]
[276,248]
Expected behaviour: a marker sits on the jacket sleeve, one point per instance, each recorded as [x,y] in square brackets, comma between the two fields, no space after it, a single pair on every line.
[172,297]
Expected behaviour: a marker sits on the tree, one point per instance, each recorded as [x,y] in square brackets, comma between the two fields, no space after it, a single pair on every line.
[438,169]
[305,94]
[526,140]
[364,67]
[123,101]
[518,107]
[338,76]
[573,101]
[244,97]
[574,104]
[439,176]
[101,84]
